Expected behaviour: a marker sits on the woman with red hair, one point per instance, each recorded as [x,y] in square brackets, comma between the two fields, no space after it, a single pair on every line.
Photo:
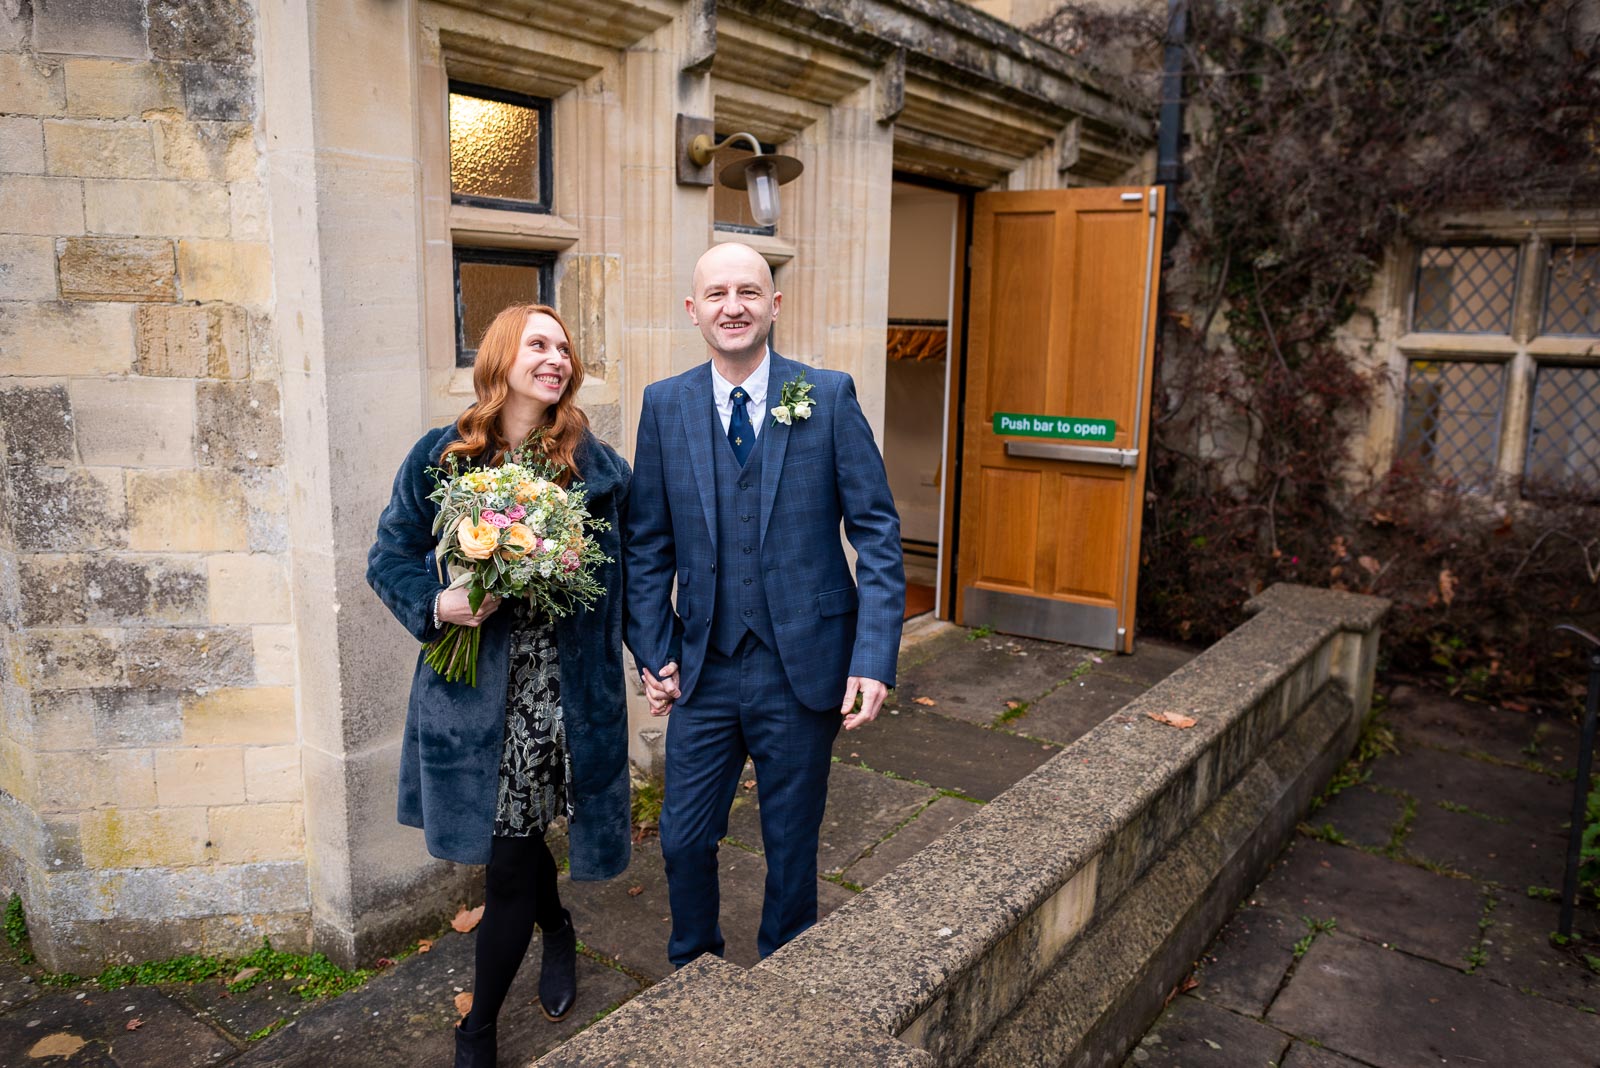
[485,769]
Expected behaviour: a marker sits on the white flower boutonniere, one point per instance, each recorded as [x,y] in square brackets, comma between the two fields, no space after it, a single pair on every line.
[794,402]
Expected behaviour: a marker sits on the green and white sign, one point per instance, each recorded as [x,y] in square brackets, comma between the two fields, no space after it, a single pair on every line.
[1054,426]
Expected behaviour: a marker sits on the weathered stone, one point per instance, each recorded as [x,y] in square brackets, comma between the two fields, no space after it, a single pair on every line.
[204,151]
[55,510]
[222,31]
[16,25]
[274,650]
[21,145]
[247,214]
[118,89]
[27,266]
[1195,1034]
[185,511]
[30,86]
[973,680]
[959,756]
[61,340]
[272,773]
[183,658]
[143,838]
[169,1038]
[1301,1055]
[134,422]
[36,425]
[156,209]
[102,268]
[211,341]
[1150,662]
[246,834]
[41,204]
[90,28]
[931,824]
[1364,816]
[1394,1011]
[99,150]
[132,718]
[238,424]
[78,781]
[248,588]
[106,590]
[266,508]
[1517,950]
[159,894]
[223,91]
[236,272]
[1244,967]
[61,720]
[1075,707]
[251,715]
[210,776]
[606,422]
[721,1014]
[69,659]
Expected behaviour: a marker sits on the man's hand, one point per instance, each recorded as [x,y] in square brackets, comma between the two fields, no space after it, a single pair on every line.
[663,691]
[872,694]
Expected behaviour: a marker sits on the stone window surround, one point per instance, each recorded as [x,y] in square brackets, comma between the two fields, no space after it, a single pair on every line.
[1522,350]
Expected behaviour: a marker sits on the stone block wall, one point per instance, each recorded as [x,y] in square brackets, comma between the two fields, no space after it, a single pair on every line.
[151,765]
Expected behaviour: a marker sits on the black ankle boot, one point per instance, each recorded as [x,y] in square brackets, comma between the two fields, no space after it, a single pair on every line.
[475,1049]
[558,970]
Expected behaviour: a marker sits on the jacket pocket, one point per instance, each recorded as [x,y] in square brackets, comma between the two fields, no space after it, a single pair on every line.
[684,602]
[836,602]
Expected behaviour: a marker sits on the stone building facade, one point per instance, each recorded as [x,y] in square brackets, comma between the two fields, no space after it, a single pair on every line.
[230,260]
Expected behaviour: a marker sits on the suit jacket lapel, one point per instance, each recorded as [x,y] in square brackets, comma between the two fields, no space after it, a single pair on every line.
[701,428]
[779,374]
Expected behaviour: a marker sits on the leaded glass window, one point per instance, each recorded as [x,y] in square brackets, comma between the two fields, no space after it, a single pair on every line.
[1465,289]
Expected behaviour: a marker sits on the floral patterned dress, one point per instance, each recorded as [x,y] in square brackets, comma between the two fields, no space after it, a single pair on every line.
[535,765]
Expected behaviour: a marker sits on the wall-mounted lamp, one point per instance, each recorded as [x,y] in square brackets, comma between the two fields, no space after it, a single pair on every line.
[759,175]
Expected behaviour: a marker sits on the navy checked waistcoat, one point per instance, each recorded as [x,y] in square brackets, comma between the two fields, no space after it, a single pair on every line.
[741,598]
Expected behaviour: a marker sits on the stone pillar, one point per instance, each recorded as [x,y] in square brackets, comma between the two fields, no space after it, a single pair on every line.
[344,180]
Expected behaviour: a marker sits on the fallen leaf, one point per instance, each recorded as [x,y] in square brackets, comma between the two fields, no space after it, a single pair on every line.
[1370,565]
[1447,585]
[242,974]
[1210,1043]
[60,1044]
[635,891]
[467,919]
[464,1002]
[425,944]
[1189,983]
[749,784]
[1173,719]
[1013,704]
[926,701]
[135,1023]
[386,962]
[1515,706]
[1097,660]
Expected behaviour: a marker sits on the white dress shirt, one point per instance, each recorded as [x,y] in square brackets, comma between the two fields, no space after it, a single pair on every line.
[755,388]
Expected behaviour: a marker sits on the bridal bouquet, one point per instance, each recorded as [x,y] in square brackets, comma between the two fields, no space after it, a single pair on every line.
[510,531]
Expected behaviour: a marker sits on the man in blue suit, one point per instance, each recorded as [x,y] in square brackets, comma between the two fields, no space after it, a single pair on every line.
[742,476]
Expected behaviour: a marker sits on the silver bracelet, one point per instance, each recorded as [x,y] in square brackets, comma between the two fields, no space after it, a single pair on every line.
[436,624]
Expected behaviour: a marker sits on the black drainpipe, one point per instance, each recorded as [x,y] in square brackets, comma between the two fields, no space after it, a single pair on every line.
[1169,132]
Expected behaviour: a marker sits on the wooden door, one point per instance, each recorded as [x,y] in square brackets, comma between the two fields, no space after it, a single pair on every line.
[1059,343]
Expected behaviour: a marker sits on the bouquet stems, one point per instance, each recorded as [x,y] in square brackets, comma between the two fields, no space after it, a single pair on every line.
[455,656]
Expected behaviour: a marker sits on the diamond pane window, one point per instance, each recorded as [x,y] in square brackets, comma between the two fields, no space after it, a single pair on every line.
[1452,419]
[1564,436]
[487,280]
[1572,293]
[1465,289]
[499,149]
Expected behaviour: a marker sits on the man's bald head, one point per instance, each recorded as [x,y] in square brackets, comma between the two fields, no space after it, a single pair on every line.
[734,303]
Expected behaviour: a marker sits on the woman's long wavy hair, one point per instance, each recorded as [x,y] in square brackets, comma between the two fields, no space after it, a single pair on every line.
[479,425]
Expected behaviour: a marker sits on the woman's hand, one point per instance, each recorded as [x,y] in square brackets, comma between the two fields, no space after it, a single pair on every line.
[454,608]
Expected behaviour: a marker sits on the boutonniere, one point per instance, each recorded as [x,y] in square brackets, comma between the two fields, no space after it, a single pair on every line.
[794,402]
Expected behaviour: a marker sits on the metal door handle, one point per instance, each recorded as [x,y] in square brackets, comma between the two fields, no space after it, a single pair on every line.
[1079,454]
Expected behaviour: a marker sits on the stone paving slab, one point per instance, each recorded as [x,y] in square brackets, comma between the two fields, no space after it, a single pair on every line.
[91,1028]
[1075,707]
[1511,856]
[946,753]
[1381,900]
[632,929]
[1151,661]
[1429,718]
[406,1015]
[1196,1034]
[245,1013]
[16,986]
[1243,968]
[1365,816]
[944,814]
[1525,799]
[973,680]
[1518,954]
[1392,1010]
[1301,1055]
[863,806]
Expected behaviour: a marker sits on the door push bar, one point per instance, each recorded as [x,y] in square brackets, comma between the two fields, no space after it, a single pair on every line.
[1081,454]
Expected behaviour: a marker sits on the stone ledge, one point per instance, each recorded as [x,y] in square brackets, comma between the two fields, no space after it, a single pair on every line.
[714,1013]
[1351,611]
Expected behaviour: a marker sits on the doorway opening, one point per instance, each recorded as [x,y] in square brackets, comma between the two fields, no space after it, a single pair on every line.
[917,378]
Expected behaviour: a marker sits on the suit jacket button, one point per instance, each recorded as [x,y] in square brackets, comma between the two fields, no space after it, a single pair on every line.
[744,519]
[747,582]
[713,569]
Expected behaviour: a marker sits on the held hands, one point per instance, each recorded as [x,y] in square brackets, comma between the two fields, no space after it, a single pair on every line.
[454,608]
[661,692]
[871,691]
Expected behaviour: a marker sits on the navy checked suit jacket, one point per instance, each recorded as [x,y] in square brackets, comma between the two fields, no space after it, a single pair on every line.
[815,474]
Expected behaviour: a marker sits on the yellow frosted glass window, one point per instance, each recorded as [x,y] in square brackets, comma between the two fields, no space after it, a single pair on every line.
[495,148]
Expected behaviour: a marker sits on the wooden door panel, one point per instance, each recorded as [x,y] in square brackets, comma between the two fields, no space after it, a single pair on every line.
[1059,312]
[1010,518]
[1089,504]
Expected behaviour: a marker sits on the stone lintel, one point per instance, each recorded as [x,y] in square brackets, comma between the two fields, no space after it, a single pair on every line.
[713,1012]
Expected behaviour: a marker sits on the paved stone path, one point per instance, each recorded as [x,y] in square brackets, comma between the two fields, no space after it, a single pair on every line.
[972,715]
[1398,929]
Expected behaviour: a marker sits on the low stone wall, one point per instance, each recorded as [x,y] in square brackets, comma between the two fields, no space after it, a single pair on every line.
[1048,928]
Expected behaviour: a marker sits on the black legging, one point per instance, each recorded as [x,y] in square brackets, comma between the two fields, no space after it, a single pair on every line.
[519,890]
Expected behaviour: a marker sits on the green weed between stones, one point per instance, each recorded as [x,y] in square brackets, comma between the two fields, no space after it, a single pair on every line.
[257,1036]
[1014,711]
[1468,810]
[647,795]
[313,975]
[16,925]
[1314,928]
[1544,893]
[979,632]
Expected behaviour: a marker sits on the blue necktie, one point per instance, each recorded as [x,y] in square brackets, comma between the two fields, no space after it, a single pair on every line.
[741,435]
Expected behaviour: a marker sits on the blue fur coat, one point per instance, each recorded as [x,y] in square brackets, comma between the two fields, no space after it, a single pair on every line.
[450,755]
